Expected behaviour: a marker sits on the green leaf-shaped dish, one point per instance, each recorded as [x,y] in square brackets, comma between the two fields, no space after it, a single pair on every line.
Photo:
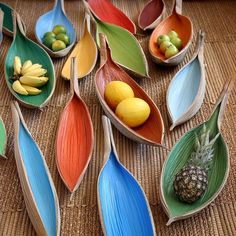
[180,154]
[7,22]
[3,139]
[125,48]
[27,49]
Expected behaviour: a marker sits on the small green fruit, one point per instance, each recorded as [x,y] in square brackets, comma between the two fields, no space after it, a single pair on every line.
[172,34]
[49,34]
[59,29]
[162,38]
[164,45]
[171,51]
[48,41]
[58,45]
[177,42]
[64,38]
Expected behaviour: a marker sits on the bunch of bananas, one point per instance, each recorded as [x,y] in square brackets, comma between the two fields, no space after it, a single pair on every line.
[28,78]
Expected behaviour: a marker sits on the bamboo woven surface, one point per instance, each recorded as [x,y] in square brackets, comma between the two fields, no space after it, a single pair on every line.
[80,216]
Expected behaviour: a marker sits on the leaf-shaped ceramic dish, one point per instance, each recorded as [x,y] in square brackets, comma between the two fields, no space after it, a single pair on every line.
[107,12]
[186,91]
[3,139]
[125,49]
[181,152]
[152,14]
[8,21]
[123,206]
[85,52]
[46,22]
[38,189]
[179,23]
[1,24]
[152,131]
[27,49]
[8,27]
[75,139]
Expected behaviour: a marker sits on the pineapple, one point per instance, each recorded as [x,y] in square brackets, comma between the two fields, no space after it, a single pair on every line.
[191,181]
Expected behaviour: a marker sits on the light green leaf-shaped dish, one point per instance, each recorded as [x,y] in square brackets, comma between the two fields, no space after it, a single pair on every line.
[217,175]
[125,48]
[3,139]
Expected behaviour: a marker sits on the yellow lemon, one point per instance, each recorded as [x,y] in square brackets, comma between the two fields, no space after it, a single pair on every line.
[116,91]
[133,111]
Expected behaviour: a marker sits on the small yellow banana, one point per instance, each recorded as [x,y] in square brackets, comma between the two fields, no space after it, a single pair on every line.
[37,72]
[33,81]
[32,68]
[17,65]
[25,66]
[31,90]
[17,87]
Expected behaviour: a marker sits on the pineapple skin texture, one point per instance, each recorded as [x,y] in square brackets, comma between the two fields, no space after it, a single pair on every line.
[190,183]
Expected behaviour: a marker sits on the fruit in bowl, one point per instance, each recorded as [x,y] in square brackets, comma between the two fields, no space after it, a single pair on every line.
[57,39]
[169,44]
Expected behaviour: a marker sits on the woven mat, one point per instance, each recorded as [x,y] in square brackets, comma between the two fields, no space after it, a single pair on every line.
[80,217]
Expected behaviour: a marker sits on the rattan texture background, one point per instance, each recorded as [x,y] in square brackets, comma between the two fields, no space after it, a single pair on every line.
[80,216]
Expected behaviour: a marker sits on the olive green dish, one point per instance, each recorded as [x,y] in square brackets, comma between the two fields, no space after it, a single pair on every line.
[181,154]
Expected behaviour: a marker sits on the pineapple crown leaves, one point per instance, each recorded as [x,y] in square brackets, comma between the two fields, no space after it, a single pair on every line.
[204,151]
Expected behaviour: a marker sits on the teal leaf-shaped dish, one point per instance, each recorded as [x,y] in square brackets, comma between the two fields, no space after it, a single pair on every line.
[27,49]
[38,189]
[7,21]
[181,153]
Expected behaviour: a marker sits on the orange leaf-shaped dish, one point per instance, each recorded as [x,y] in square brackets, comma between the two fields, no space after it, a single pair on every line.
[74,141]
[179,23]
[152,131]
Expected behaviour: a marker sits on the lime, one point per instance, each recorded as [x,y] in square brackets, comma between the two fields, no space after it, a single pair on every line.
[59,29]
[48,41]
[49,34]
[64,38]
[58,45]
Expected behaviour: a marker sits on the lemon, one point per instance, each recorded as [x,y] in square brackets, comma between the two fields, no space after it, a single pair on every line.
[133,111]
[116,91]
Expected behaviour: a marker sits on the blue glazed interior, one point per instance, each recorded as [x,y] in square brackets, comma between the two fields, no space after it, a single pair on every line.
[38,180]
[184,89]
[54,17]
[123,205]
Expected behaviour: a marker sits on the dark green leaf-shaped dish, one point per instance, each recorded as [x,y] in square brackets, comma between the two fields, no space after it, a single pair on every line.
[27,49]
[180,154]
[7,22]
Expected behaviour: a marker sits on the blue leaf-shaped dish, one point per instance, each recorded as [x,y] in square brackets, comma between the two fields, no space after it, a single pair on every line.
[38,189]
[46,22]
[187,89]
[124,209]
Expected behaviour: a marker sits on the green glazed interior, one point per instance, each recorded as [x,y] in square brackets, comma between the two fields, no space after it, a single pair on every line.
[125,48]
[28,50]
[177,159]
[7,20]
